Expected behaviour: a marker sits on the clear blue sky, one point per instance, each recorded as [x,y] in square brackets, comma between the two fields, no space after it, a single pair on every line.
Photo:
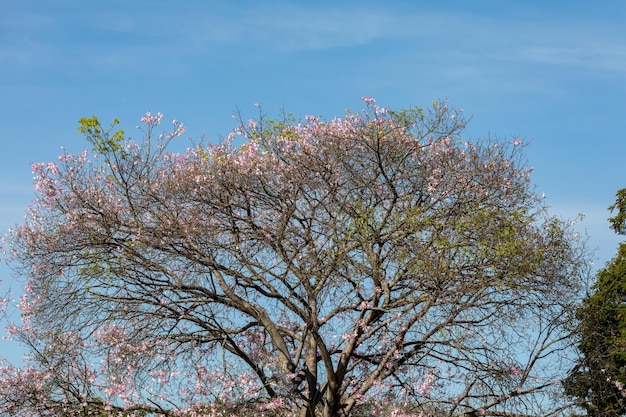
[551,72]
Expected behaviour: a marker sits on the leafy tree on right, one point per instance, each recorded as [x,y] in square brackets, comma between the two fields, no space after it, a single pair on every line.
[599,377]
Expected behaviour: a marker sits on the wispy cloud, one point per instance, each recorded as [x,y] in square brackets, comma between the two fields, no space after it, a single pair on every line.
[599,54]
[158,36]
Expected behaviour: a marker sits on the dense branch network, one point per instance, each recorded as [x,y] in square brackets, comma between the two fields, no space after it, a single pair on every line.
[320,266]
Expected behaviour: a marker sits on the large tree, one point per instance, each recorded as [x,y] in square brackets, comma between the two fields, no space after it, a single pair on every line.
[367,264]
[599,378]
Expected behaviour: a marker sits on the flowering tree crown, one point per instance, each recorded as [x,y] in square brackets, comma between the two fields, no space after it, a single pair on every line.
[365,264]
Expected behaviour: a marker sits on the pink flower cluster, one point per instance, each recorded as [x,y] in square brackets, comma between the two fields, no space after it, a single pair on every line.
[149,119]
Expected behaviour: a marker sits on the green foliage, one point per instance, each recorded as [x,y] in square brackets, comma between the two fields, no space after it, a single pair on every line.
[618,222]
[103,141]
[599,377]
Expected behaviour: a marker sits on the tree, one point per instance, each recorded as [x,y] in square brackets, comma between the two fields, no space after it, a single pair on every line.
[599,375]
[370,264]
[618,222]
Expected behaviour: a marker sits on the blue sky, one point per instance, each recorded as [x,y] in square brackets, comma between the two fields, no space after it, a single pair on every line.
[553,73]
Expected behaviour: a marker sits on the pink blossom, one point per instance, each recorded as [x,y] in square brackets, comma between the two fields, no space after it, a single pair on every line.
[149,119]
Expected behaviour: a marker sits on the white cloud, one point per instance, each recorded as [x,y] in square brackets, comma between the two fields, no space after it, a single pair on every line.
[481,50]
[599,54]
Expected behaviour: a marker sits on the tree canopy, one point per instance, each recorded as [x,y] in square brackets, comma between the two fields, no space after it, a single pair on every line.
[599,376]
[374,264]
